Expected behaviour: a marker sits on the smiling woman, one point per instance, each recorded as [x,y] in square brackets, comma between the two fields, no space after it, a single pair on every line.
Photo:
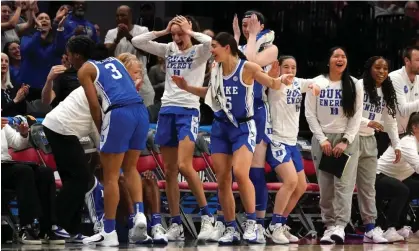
[379,105]
[335,127]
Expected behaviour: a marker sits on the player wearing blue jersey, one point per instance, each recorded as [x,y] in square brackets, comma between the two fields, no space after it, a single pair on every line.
[233,134]
[123,133]
[260,50]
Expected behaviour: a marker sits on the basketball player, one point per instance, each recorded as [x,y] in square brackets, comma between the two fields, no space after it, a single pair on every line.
[283,154]
[233,134]
[178,121]
[380,101]
[334,118]
[123,133]
[261,50]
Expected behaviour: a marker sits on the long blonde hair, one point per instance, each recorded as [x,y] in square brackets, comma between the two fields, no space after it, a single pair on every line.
[8,83]
[128,59]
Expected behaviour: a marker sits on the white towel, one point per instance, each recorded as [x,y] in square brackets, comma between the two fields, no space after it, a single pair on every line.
[215,97]
[264,39]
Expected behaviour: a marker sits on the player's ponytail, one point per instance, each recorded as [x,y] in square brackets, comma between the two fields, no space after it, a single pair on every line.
[224,39]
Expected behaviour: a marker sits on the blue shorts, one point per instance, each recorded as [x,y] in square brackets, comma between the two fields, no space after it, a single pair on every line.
[174,127]
[262,119]
[124,129]
[279,153]
[226,138]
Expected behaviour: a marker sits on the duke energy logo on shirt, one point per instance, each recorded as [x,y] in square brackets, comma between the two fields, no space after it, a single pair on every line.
[179,63]
[331,98]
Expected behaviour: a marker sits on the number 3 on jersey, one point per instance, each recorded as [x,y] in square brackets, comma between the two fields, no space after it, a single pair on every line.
[116,74]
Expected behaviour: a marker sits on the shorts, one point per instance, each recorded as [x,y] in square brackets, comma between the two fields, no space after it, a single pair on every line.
[226,138]
[124,129]
[174,127]
[279,153]
[262,119]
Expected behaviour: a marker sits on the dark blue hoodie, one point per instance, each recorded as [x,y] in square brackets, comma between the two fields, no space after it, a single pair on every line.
[71,23]
[38,58]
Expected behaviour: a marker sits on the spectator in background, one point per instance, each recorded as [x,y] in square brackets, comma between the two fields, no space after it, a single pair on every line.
[148,19]
[209,32]
[157,76]
[97,29]
[12,98]
[411,10]
[383,8]
[10,29]
[34,186]
[40,52]
[12,50]
[118,40]
[61,81]
[76,24]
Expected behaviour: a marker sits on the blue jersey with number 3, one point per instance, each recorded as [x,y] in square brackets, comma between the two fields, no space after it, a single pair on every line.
[114,84]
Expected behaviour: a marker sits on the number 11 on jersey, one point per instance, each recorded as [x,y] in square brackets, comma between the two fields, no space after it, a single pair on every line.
[176,72]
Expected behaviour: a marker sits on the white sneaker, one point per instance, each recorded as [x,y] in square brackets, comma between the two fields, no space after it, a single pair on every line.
[392,235]
[103,239]
[230,236]
[207,228]
[159,234]
[277,233]
[292,238]
[338,235]
[375,236]
[138,233]
[326,239]
[218,231]
[260,234]
[250,231]
[175,232]
[406,232]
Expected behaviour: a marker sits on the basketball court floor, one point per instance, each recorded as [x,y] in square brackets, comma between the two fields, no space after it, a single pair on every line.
[353,245]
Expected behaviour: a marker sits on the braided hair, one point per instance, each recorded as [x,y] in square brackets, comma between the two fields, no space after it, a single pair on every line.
[82,45]
[389,94]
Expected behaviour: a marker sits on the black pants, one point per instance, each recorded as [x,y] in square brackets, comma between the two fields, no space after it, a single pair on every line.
[35,191]
[76,176]
[383,142]
[399,194]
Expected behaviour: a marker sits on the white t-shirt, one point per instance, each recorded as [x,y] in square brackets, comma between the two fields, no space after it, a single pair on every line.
[189,64]
[407,96]
[11,138]
[408,164]
[372,113]
[125,46]
[324,113]
[72,116]
[285,105]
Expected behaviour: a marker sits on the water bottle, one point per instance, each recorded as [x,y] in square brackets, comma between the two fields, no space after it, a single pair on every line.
[17,120]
